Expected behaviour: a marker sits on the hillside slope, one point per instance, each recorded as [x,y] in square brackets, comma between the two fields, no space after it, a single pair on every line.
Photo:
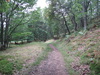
[81,52]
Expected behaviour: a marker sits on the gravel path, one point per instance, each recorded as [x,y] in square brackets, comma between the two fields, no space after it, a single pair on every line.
[54,65]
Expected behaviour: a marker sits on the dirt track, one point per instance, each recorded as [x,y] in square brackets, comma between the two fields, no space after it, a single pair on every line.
[54,65]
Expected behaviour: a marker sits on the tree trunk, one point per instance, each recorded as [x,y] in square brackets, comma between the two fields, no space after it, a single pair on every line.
[74,22]
[64,19]
[2,30]
[97,6]
[85,17]
[82,22]
[65,22]
[85,8]
[85,22]
[6,37]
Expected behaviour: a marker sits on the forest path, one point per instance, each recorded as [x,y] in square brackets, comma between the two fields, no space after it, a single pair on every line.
[54,65]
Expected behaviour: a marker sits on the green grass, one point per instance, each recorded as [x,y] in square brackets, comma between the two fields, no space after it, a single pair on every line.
[62,47]
[95,67]
[68,59]
[6,67]
[17,56]
[43,56]
[17,65]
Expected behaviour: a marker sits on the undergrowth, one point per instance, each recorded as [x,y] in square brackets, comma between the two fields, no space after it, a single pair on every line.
[86,46]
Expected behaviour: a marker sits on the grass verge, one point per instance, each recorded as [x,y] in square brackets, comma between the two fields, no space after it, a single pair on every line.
[67,58]
[43,56]
[83,47]
[20,56]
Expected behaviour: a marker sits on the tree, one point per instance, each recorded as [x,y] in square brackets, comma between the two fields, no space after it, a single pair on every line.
[3,8]
[85,10]
[76,14]
[38,26]
[57,9]
[12,17]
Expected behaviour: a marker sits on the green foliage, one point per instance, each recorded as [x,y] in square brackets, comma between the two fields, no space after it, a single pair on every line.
[6,67]
[77,7]
[77,14]
[38,26]
[95,67]
[21,36]
[4,6]
[13,14]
